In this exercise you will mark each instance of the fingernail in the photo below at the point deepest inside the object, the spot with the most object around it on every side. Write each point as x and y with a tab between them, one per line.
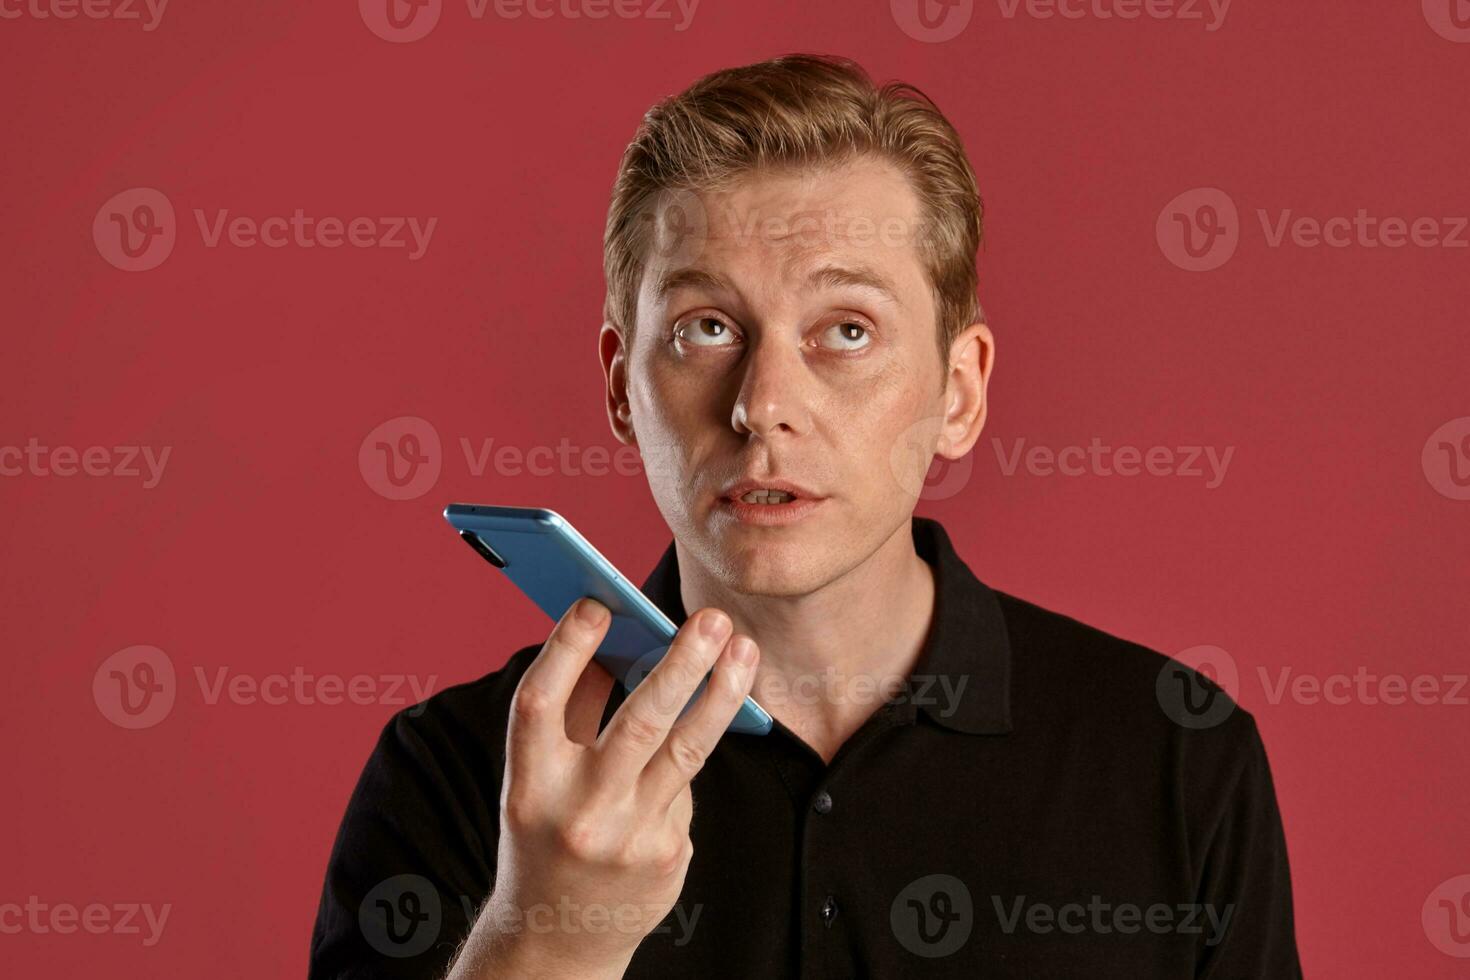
589	612
743	650
715	625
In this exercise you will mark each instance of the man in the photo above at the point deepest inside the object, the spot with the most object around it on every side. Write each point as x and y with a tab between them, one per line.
958	783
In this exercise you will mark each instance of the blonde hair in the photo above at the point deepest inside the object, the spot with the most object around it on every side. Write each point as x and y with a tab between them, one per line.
798	111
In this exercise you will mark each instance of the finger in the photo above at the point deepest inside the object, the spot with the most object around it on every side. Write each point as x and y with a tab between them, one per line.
587	703
681	811
643	720
538	710
695	736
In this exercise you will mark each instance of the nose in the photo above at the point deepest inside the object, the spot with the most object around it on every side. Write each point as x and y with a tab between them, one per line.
772	396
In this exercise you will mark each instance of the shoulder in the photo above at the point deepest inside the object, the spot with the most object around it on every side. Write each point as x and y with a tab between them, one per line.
1046	642
1071	677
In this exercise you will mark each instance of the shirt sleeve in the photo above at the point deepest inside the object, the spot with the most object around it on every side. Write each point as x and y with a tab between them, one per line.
410	865
1243	872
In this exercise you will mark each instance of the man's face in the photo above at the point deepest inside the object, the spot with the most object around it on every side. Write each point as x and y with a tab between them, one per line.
786	332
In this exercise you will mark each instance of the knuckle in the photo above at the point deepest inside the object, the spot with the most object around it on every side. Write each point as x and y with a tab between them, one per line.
519	811
670	859
639	730
530	704
578	838
685	753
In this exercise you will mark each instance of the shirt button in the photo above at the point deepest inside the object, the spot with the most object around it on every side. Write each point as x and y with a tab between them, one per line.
823	802
829	911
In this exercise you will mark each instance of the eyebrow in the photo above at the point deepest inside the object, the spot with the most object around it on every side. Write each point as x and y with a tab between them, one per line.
691	279
862	278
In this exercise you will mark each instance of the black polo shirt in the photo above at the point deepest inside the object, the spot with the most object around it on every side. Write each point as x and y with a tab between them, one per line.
1044	800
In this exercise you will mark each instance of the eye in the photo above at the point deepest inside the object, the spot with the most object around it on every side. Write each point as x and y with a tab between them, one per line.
705	330
850	335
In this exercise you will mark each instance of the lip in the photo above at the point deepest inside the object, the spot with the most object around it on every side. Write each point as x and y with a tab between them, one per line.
768	515
740	488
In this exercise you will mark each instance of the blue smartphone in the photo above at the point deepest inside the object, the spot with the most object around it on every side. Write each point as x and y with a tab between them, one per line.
554	566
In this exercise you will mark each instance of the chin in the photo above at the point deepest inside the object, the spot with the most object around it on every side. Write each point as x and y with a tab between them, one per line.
754	561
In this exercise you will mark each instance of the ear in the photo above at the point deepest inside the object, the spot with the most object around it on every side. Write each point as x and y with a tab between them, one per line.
613	353
971	360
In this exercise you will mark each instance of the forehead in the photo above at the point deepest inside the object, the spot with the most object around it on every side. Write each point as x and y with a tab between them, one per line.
781	224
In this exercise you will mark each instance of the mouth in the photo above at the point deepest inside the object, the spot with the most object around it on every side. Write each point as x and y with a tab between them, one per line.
768	502
767	497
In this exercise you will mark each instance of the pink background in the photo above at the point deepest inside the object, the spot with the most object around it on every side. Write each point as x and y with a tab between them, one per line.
1332	544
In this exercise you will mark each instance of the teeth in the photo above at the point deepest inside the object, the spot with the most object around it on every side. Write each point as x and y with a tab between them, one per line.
767	497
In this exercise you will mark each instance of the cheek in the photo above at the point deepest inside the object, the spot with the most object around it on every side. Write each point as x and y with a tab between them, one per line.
667	400
669	421
887	431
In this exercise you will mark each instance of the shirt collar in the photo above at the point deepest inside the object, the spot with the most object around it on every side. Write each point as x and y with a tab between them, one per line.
967	643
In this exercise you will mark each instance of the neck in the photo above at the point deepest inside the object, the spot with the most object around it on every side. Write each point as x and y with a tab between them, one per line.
827	657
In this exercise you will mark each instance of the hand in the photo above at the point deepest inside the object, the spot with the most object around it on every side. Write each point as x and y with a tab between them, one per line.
594	830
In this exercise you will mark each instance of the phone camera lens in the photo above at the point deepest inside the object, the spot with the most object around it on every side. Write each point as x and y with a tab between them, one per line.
482	549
